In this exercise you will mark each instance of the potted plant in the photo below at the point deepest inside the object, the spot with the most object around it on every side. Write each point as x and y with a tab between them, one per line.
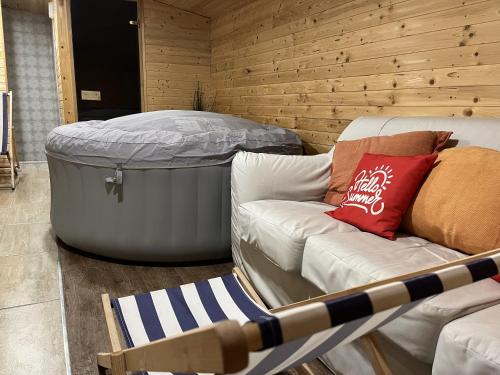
199	101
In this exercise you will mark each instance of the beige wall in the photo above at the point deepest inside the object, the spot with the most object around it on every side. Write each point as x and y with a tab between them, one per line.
176	55
315	65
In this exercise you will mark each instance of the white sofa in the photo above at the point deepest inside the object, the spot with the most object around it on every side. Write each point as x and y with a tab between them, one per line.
291	251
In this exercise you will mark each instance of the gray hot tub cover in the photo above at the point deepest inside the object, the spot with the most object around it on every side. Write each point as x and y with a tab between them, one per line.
167	139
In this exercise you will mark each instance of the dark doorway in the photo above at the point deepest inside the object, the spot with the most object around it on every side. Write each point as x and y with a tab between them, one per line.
106	55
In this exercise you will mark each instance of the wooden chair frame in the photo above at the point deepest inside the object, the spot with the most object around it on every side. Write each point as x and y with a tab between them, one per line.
223	347
11	150
217	339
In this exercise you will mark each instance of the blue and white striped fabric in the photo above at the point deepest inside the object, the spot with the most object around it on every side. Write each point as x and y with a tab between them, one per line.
4	127
293	336
164	313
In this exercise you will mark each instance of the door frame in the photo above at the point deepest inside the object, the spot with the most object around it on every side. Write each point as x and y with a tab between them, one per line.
60	14
142	53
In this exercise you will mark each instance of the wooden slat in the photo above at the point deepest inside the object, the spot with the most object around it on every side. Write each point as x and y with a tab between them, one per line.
110	323
352	112
170	101
248	287
433	96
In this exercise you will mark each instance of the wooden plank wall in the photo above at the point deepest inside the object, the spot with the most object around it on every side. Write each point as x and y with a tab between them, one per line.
313	65
176	55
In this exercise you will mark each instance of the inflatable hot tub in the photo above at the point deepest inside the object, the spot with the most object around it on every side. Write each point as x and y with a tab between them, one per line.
152	186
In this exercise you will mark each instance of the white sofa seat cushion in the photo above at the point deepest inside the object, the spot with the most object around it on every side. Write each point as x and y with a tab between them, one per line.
335	262
470	345
340	261
280	228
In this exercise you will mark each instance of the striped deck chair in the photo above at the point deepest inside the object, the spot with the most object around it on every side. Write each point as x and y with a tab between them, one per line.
7	138
217	326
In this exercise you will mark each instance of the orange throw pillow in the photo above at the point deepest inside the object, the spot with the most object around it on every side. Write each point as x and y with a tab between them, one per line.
458	205
348	154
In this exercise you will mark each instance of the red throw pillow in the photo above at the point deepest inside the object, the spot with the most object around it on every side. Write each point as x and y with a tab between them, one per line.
381	191
497	278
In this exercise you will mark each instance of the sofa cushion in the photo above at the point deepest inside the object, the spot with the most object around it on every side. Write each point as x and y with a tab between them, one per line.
280	228
339	261
470	345
349	153
345	260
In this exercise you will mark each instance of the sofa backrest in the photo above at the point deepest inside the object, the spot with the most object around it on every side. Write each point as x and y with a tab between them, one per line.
483	132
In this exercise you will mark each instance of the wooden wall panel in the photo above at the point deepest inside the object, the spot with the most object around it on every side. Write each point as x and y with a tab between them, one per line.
175	55
313	66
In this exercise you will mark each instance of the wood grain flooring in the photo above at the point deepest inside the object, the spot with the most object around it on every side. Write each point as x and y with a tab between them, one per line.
85	279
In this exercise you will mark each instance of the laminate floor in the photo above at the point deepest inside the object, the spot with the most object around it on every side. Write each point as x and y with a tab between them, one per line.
85	279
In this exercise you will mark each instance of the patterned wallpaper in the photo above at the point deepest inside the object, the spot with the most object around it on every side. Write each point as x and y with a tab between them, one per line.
31	75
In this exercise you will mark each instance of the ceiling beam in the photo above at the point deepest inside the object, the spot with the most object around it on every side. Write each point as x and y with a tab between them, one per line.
206	8
33	6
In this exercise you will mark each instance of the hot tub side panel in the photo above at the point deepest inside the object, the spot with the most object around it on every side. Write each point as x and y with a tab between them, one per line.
170	215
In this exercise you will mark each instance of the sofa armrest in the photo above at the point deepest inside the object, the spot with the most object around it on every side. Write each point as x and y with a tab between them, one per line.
284	177
268	176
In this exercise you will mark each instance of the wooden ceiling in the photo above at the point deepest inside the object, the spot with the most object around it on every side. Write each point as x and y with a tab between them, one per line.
33	6
207	8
